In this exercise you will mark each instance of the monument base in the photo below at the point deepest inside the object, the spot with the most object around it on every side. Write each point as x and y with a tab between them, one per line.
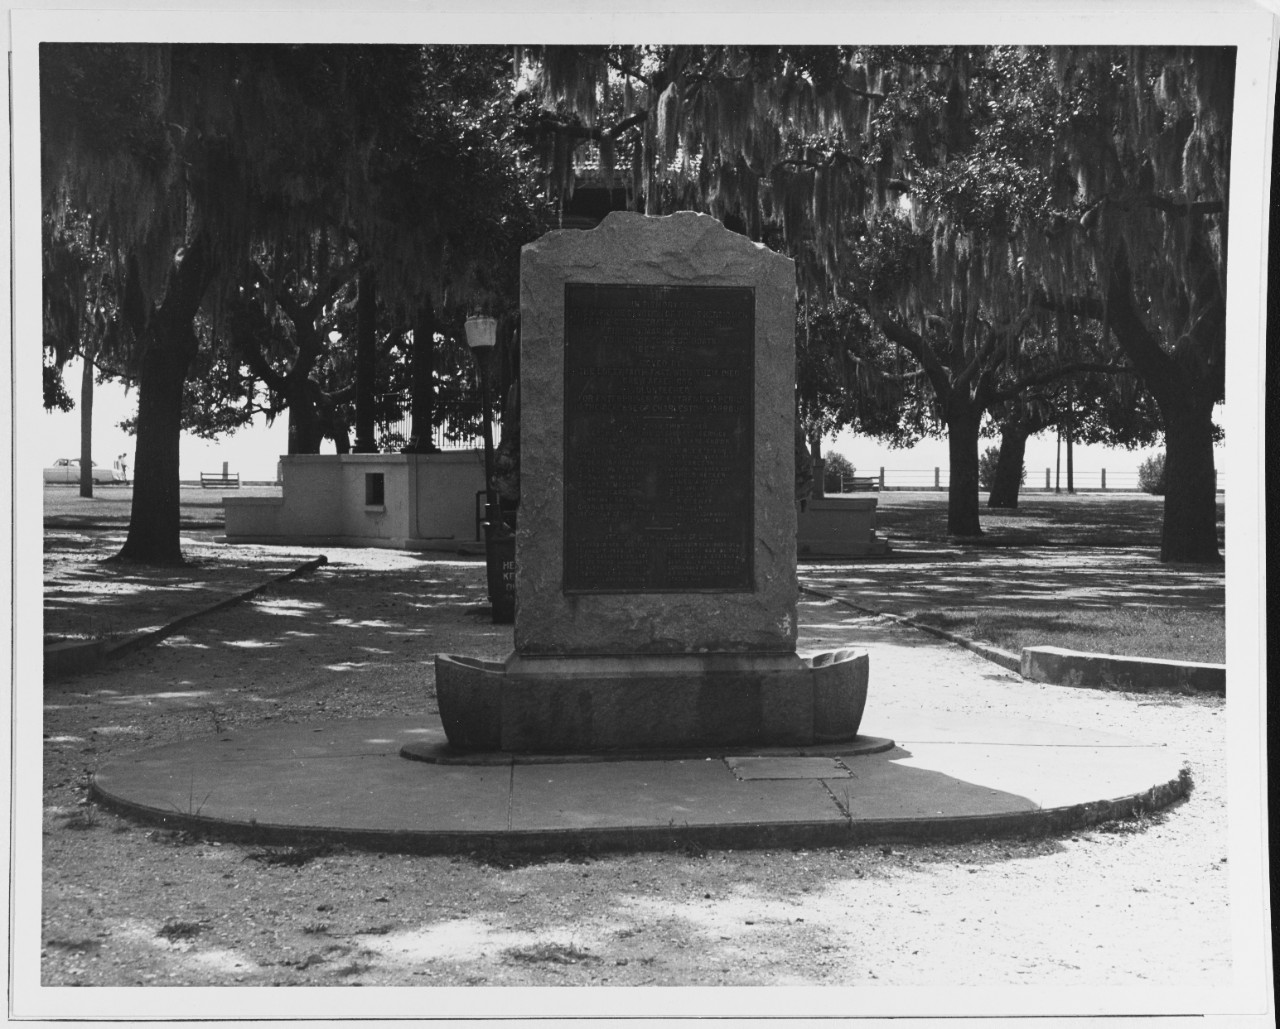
594	704
839	527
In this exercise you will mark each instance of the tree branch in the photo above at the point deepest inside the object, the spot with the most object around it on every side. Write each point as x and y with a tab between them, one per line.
292	309
1059	372
576	130
884	376
1090	307
913	343
627	70
1185	208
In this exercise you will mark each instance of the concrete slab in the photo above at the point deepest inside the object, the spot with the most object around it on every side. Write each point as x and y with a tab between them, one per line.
753	768
345	775
668	793
1078	668
945	726
345	782
1048	777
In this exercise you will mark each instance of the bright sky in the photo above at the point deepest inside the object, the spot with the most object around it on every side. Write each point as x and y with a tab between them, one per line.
253	451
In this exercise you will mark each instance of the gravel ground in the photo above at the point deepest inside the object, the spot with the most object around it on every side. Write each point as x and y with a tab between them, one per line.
1133	904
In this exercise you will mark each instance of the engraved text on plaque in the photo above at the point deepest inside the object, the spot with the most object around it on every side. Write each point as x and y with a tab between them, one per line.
659	448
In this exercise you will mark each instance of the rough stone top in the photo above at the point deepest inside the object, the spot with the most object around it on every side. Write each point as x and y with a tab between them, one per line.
675	246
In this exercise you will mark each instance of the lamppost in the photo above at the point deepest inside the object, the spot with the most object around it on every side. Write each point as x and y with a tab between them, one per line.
482	333
499	547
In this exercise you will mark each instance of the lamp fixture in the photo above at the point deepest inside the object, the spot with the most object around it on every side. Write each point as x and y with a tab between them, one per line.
482	332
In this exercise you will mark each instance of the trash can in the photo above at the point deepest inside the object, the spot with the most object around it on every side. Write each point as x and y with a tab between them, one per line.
500	562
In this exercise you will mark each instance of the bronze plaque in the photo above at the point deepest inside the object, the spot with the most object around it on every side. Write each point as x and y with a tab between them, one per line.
659	438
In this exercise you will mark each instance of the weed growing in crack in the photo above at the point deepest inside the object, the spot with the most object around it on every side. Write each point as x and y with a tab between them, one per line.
84	818
218	724
193	809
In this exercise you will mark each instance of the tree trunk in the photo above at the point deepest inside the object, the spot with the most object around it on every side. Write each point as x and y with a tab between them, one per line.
422	402
86	428
154	521
1008	475
964	416
819	469
366	365
1190	531
168	346
305	429
1069	428
1185	391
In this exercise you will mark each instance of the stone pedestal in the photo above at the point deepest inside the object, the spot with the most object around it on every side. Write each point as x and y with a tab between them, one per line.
636	703
655	557
839	527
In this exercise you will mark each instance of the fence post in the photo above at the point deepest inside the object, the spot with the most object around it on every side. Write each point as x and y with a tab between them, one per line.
937	477
1046	479
882	478
1104	480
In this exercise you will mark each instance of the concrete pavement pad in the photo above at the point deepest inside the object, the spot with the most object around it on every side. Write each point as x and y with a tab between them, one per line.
622	794
999	727
344	781
787	768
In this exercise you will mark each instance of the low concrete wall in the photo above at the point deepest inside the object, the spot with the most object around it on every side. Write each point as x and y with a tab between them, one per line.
838	527
446	490
1069	667
425	500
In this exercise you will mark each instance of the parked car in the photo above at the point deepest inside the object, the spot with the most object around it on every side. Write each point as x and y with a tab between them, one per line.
67	469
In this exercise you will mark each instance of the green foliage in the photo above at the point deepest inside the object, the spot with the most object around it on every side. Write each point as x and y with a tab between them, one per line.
836	467
987	467
56	397
287	154
849	375
1151	475
987	464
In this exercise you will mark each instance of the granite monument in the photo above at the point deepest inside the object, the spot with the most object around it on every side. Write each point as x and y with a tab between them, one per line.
656	550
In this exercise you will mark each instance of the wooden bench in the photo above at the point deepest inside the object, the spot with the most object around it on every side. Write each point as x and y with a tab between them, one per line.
861	483
216	480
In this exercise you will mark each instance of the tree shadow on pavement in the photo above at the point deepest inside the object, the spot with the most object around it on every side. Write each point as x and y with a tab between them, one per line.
336	643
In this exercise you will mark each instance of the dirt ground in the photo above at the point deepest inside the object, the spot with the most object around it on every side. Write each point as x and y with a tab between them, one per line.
1130	904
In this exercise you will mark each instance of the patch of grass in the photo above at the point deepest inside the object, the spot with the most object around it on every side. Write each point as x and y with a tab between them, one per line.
289	857
1133	826
85	946
175	837
553	953
1179	634
174	931
355	968
510	860
81	819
